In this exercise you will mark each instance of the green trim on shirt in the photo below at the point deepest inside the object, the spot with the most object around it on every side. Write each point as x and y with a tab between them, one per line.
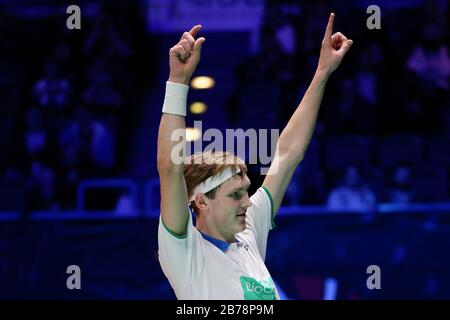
173	233
271	206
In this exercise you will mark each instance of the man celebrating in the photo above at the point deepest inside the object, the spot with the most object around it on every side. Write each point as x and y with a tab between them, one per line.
222	256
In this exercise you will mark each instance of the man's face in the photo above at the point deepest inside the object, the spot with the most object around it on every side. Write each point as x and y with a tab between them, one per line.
226	214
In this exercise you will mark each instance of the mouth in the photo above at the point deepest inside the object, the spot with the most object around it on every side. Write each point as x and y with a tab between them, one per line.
241	214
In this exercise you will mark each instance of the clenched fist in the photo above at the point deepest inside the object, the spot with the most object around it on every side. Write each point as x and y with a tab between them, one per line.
185	55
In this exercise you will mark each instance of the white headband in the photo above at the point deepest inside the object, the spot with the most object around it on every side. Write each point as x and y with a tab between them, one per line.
214	181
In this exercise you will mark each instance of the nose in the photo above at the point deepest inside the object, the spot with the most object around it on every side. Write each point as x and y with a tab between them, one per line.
247	203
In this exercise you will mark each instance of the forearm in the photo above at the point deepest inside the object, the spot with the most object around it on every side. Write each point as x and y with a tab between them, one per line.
296	136
166	144
172	129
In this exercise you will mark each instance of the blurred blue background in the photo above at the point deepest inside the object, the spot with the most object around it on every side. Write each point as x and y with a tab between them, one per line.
80	111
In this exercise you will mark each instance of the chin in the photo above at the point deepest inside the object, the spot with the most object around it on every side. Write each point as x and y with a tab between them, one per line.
242	227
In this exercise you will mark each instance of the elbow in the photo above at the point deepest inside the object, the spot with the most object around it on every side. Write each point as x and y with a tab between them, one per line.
283	149
289	153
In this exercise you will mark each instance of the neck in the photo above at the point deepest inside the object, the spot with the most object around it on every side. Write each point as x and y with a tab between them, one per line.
203	227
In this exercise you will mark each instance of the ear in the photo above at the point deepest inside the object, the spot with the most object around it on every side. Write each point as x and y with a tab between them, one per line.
200	201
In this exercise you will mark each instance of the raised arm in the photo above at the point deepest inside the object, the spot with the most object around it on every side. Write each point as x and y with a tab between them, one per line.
295	138
183	60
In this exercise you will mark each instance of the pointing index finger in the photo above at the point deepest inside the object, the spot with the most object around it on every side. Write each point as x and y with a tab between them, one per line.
195	29
330	25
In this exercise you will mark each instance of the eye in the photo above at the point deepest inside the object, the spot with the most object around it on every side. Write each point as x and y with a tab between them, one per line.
237	195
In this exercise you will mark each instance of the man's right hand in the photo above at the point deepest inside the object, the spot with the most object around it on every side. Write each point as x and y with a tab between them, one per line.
184	56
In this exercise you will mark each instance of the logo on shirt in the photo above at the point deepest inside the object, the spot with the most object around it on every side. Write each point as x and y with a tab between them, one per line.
244	245
254	290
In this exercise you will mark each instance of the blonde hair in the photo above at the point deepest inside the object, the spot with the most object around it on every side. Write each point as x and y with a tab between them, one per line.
200	166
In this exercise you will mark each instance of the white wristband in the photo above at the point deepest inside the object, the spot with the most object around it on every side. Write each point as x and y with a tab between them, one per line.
175	99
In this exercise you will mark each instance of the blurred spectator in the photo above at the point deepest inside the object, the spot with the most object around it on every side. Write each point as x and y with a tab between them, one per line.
400	189
53	89
428	70
103	146
431	66
76	139
35	135
40	191
104	40
352	194
125	205
68	177
366	75
286	38
100	92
